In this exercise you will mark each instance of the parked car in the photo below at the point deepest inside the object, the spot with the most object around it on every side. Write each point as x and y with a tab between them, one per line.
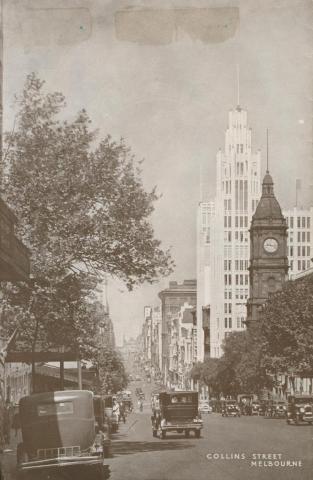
255	408
300	409
204	407
59	437
230	408
276	409
178	412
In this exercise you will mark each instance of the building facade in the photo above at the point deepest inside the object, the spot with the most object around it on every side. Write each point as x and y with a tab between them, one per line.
268	268
237	195
205	218
300	238
172	299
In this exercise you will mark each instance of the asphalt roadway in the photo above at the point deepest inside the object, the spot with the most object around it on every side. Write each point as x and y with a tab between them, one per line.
245	448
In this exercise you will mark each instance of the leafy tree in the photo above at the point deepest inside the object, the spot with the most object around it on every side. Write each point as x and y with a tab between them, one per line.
112	374
82	210
286	329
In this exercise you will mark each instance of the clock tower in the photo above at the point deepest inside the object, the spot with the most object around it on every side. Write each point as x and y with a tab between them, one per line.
268	251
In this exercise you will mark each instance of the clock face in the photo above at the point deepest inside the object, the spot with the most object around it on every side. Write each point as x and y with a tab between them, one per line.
270	245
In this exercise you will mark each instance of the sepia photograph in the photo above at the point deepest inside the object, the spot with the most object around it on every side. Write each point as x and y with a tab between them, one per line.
156	239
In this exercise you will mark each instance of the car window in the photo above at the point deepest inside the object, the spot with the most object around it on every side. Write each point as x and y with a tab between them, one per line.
61	408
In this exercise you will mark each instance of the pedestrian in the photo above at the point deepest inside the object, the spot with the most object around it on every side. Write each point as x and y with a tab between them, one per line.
122	412
116	409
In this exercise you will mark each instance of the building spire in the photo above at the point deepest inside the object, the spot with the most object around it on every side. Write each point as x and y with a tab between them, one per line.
238	85
267	171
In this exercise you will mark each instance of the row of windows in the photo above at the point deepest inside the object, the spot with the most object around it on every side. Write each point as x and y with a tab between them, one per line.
228	322
301	251
239	279
301	237
239	265
302	265
302	222
240	221
227	307
241	236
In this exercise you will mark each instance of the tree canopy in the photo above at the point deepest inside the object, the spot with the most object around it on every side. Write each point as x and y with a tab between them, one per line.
82	210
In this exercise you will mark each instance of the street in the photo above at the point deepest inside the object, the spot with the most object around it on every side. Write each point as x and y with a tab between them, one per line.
137	455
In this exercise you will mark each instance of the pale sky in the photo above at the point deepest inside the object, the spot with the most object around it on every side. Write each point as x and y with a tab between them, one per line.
169	96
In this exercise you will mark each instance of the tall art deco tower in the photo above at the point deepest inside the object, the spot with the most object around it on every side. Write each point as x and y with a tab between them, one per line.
237	195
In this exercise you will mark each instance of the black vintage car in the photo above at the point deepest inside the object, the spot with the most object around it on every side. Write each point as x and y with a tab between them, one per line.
276	409
300	409
59	437
230	408
177	412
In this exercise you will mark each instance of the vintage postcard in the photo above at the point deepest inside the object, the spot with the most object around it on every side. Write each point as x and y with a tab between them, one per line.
156	240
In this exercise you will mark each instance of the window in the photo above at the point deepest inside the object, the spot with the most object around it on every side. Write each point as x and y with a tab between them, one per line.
291	237
299	222
229	236
291	264
225	264
303	222
246	279
303	251
303	264
246	221
241	279
308	222
229	264
225	308
229	279
299	237
241	221
299	265
291	222
236	264
291	251
225	222
225	279
299	251
308	236
225	322
229	308
229	222
229	323
303	236
238	322
58	408
308	251
237	279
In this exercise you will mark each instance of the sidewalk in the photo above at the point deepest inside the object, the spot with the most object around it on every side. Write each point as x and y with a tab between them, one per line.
8	458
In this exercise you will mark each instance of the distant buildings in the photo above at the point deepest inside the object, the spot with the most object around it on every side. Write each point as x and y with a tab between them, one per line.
172	299
300	238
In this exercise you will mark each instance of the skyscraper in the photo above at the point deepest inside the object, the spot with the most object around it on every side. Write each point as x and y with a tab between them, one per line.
237	193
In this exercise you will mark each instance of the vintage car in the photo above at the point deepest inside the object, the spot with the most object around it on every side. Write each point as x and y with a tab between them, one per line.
300	409
102	425
178	412
276	409
230	408
255	408
59	437
204	407
138	391
245	401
